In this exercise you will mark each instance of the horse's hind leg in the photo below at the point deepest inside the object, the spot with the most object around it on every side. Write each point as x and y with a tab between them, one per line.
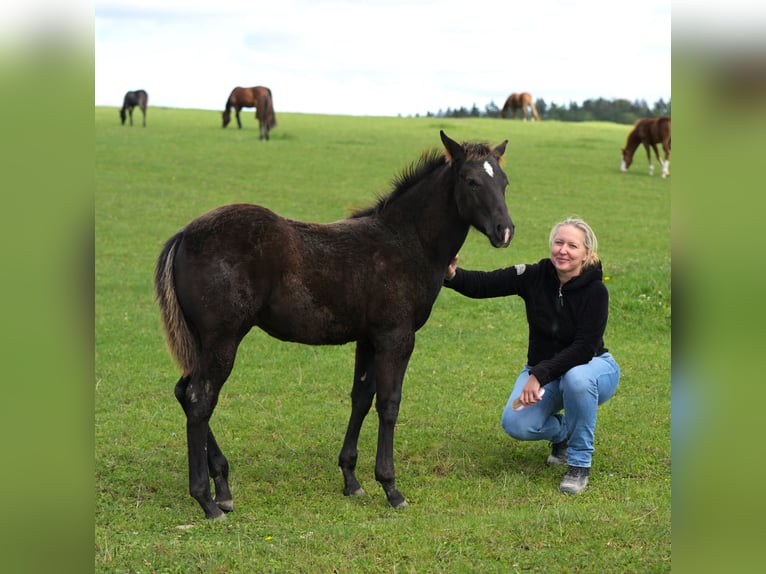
198	395
666	162
218	467
362	394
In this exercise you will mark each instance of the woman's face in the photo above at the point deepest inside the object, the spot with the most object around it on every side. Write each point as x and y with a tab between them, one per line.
568	251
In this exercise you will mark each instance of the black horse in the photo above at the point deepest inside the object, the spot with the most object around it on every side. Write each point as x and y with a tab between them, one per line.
132	99
372	278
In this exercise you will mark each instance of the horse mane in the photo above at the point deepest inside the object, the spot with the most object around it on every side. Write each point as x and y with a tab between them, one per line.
423	166
428	162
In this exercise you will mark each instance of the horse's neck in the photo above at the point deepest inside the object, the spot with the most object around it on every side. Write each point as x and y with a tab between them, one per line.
634	140
430	207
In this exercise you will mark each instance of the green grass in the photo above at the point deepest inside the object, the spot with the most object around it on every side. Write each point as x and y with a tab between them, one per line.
479	501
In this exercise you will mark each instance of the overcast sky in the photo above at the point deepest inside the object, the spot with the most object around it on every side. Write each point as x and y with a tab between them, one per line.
381	57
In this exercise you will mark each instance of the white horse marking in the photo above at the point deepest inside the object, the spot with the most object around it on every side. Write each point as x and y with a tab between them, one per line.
488	169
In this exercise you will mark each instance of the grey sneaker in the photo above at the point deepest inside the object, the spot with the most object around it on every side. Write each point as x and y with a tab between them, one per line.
575	480
558	453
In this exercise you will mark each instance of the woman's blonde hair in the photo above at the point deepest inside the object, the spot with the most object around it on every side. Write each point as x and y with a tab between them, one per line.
591	243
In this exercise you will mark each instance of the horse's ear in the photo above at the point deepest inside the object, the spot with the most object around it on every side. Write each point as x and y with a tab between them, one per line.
499	150
454	151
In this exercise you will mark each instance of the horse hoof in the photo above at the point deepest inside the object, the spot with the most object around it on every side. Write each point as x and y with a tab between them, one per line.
225	505
402	504
357	492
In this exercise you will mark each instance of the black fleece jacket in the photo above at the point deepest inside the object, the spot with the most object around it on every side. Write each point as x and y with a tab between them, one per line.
566	324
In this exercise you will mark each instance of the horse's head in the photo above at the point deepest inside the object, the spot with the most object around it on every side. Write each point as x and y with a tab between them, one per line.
480	188
627	159
226	117
123	115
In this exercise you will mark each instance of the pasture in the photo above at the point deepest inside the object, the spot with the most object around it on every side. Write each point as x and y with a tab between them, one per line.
479	501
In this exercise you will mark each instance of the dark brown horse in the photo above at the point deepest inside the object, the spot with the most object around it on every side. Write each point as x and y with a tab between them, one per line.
258	97
371	278
520	102
649	132
132	99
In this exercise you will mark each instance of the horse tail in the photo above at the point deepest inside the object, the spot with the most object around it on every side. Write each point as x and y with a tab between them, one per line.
533	107
181	342
272	115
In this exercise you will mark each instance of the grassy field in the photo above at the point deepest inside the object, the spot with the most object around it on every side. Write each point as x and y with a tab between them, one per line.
479	501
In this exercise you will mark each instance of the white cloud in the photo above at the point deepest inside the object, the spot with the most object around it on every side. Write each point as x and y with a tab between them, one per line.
382	58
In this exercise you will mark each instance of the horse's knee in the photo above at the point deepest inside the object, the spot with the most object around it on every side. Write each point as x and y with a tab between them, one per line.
389	412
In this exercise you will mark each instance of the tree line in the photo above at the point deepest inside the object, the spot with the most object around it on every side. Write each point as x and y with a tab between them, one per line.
619	111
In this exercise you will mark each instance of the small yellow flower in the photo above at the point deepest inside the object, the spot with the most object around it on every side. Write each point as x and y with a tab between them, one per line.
268	539
607	278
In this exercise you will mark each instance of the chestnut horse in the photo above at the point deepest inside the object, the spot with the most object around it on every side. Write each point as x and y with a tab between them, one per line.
649	132
523	102
258	97
372	278
132	99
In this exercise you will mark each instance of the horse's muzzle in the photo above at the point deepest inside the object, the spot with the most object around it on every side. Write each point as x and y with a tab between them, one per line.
507	236
502	237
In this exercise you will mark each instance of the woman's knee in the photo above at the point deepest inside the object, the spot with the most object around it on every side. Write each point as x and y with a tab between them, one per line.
514	424
578	381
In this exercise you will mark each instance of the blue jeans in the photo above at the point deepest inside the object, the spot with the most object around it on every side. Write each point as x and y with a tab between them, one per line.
578	392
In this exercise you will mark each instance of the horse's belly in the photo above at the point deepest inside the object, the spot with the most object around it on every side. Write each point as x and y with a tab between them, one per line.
314	325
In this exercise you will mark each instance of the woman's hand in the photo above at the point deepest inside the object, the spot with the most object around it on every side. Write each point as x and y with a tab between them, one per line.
531	393
452	268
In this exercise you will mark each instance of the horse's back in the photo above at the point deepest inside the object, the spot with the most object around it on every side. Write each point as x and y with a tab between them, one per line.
242	265
242	97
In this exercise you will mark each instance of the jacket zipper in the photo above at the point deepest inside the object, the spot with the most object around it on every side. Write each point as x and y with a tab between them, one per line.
561	297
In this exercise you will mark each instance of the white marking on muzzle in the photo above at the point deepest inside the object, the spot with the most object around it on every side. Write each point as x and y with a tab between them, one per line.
488	169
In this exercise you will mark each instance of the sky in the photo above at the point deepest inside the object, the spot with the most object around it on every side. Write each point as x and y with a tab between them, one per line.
381	57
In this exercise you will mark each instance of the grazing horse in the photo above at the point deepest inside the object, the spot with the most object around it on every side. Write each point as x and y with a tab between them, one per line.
523	102
649	132
371	278
132	99
258	97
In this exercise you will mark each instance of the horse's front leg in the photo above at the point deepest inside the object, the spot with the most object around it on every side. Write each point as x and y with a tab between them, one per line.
390	366
647	147
362	394
239	121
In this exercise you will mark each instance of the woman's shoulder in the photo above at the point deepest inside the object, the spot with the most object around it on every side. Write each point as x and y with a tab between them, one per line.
530	269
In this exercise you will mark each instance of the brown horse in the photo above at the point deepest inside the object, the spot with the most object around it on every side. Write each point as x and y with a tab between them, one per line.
258	97
132	99
649	132
523	102
372	278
